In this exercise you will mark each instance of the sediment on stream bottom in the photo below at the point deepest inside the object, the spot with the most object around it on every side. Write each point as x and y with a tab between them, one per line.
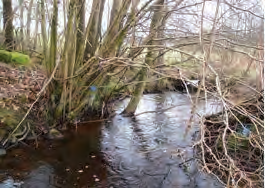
234	151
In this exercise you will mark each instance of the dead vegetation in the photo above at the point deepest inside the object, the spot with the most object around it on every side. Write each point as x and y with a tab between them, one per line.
231	143
18	90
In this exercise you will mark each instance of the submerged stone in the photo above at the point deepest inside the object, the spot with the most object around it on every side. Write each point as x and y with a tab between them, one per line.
2	152
54	134
42	177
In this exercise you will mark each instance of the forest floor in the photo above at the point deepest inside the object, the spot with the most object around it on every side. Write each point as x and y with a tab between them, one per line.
18	90
15	81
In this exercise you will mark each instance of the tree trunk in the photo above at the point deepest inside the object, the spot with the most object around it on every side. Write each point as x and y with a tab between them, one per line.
81	24
67	59
36	25
52	52
115	34
160	42
43	32
94	28
107	49
8	23
28	24
114	12
114	37
53	42
139	88
21	24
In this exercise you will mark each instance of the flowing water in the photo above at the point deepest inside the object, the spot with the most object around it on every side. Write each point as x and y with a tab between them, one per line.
151	150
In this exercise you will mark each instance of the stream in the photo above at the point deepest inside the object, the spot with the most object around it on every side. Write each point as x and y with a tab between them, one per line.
151	150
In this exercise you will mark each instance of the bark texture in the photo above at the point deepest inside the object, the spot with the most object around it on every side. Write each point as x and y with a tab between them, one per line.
139	88
8	23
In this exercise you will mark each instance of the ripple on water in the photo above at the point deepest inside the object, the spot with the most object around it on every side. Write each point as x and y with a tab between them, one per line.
150	150
156	143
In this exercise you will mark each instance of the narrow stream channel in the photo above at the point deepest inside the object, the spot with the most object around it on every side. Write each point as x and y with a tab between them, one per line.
151	150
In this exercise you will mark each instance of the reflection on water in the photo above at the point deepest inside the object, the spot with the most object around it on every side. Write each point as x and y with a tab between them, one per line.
72	162
148	151
151	149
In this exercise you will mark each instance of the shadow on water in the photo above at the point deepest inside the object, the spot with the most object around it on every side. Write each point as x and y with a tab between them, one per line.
150	150
72	162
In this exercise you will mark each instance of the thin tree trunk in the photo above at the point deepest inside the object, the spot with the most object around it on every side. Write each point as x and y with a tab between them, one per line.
114	38
118	33
53	42
8	23
139	88
91	33
43	31
36	25
107	49
114	12
21	24
28	23
94	28
81	24
51	60
66	60
160	34
115	34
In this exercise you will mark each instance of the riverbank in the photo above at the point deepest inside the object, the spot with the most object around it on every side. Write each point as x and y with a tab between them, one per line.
232	144
20	88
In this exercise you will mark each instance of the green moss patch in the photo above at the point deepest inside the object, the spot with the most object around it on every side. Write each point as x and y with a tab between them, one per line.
5	56
14	58
20	59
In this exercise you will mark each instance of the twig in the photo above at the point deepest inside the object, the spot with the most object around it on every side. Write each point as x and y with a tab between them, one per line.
158	111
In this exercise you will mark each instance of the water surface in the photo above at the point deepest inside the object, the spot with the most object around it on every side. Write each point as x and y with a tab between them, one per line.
151	150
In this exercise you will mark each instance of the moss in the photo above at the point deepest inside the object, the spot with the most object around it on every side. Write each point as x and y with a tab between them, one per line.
3	133
20	59
5	56
237	142
14	58
23	99
9	117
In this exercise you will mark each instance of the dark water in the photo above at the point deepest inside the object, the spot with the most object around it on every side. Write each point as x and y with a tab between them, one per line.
151	150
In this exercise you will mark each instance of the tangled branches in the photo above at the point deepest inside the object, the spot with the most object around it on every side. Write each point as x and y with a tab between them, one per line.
234	150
